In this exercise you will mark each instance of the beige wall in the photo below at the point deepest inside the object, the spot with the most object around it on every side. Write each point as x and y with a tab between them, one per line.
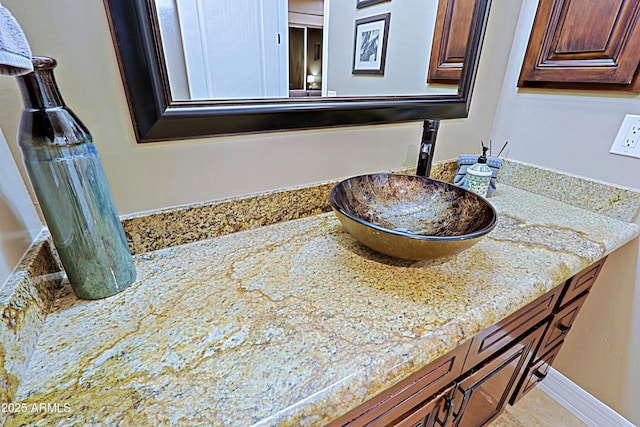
573	131
19	221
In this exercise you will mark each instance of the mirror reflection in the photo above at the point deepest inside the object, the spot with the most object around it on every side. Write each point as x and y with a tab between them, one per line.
379	85
256	49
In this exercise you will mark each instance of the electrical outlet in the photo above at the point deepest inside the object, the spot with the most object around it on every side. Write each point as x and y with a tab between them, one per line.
628	137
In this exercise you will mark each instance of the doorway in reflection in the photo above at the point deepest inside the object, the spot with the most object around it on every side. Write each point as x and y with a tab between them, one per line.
305	61
306	45
242	48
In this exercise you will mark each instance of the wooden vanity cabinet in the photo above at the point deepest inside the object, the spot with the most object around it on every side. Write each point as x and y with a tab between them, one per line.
421	392
434	412
471	385
485	391
574	294
580	283
536	372
494	339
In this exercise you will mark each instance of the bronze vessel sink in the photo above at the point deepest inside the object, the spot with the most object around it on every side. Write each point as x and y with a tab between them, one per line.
411	217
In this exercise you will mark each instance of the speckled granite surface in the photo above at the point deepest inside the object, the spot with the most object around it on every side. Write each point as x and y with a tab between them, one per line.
25	300
186	224
292	323
601	197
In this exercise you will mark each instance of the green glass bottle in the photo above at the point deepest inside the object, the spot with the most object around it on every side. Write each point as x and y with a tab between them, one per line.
71	187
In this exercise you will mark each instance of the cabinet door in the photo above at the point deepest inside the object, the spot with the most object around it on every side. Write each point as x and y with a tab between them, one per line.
583	41
561	324
449	45
534	374
484	394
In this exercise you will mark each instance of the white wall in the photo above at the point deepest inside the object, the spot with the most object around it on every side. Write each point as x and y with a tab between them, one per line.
573	131
19	221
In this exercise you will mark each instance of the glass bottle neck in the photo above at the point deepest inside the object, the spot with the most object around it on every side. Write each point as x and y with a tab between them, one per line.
39	89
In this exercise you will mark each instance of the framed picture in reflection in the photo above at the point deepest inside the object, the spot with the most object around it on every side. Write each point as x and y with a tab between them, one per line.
364	3
370	44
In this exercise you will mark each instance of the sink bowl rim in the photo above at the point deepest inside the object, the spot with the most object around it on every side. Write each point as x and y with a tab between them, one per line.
479	233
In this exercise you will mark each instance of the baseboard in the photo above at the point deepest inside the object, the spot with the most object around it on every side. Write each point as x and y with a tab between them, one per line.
580	403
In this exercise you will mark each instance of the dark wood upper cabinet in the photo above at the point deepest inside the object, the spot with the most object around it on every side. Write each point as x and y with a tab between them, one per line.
450	40
587	44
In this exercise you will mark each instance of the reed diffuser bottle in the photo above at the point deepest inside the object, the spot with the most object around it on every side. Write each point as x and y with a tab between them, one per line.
69	182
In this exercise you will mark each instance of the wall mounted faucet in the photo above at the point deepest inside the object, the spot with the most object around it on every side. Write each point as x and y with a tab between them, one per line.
427	147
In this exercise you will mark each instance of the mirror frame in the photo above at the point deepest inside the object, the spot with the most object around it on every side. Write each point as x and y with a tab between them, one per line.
156	117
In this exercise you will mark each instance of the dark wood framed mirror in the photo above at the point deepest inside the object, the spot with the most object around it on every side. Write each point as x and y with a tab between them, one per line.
157	116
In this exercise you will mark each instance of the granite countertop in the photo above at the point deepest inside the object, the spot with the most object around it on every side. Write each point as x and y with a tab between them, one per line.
294	322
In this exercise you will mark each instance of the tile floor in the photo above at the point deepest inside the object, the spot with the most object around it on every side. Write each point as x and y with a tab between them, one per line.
537	409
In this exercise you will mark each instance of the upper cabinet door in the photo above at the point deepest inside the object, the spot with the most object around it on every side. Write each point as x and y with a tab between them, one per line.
594	42
450	40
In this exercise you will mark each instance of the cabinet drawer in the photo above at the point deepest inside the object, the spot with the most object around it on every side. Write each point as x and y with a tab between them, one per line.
400	399
429	414
561	323
503	333
581	282
537	372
